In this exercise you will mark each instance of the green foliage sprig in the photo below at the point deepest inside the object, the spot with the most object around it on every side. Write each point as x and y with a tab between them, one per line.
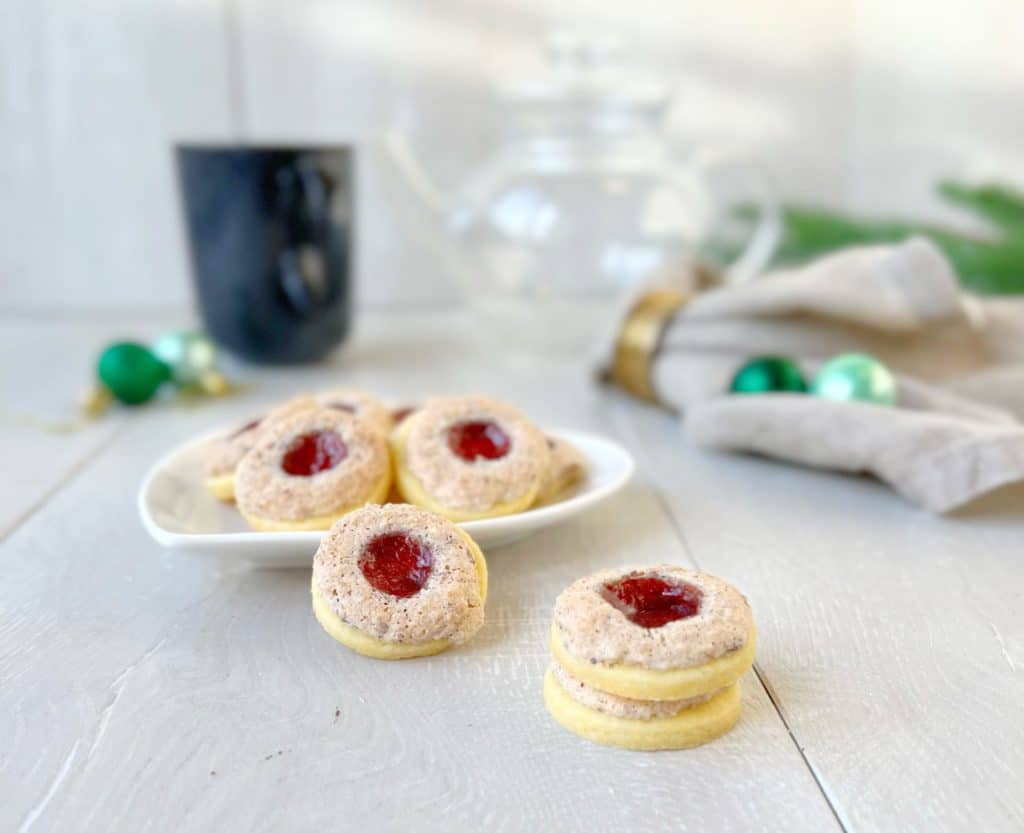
990	264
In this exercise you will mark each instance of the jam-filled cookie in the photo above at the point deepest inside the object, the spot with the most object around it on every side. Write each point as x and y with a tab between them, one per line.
393	582
469	457
566	469
308	470
221	455
649	657
363	405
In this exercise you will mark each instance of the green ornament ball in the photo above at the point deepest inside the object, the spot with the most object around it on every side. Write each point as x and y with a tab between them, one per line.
855	376
768	374
131	372
189	355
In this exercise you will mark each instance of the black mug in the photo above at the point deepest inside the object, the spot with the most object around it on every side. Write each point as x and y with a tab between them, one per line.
270	234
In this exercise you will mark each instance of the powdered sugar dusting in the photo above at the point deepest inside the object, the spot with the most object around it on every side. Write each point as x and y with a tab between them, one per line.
221	455
264	490
449	605
364	405
473	486
566	468
593	630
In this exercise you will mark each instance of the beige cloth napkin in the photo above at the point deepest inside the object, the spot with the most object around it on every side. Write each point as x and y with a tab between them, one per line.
956	430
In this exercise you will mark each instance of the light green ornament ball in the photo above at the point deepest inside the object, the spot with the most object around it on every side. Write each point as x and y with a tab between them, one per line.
189	355
855	376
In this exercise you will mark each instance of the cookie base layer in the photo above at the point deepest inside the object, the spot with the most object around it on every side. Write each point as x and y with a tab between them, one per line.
690	727
222	487
412	491
363	643
561	490
370	646
478	558
654	684
377	495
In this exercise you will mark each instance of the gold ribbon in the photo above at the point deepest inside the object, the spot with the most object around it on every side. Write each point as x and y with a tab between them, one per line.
639	339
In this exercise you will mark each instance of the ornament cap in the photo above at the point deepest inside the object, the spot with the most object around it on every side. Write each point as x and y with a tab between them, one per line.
96	401
214	383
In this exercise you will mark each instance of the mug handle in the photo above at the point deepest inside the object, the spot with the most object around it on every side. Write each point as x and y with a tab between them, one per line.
302	203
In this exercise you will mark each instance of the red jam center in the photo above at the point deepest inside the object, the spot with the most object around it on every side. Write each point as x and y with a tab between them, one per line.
396	564
314	452
652	602
472	440
247	427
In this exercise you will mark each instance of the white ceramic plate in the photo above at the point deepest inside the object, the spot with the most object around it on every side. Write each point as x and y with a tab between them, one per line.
179	513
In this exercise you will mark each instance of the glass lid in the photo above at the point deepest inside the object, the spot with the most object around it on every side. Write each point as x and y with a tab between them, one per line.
587	81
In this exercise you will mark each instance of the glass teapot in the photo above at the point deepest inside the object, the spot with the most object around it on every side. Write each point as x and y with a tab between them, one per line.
585	200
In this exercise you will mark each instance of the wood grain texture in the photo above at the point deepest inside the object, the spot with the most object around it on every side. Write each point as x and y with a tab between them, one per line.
892	640
44	370
142	691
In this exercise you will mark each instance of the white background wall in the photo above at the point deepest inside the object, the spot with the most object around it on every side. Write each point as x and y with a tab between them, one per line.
854	102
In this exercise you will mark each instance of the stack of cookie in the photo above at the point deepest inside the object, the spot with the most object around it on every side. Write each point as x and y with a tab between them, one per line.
649	657
315	458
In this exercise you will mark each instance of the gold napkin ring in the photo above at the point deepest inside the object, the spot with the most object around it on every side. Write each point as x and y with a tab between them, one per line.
640	337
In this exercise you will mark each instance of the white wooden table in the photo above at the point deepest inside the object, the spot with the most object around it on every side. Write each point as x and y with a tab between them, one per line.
143	691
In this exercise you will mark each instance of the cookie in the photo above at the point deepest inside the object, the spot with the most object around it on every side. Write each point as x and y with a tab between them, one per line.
399	414
566	469
469	457
393	582
309	469
363	405
649	657
221	455
688	726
